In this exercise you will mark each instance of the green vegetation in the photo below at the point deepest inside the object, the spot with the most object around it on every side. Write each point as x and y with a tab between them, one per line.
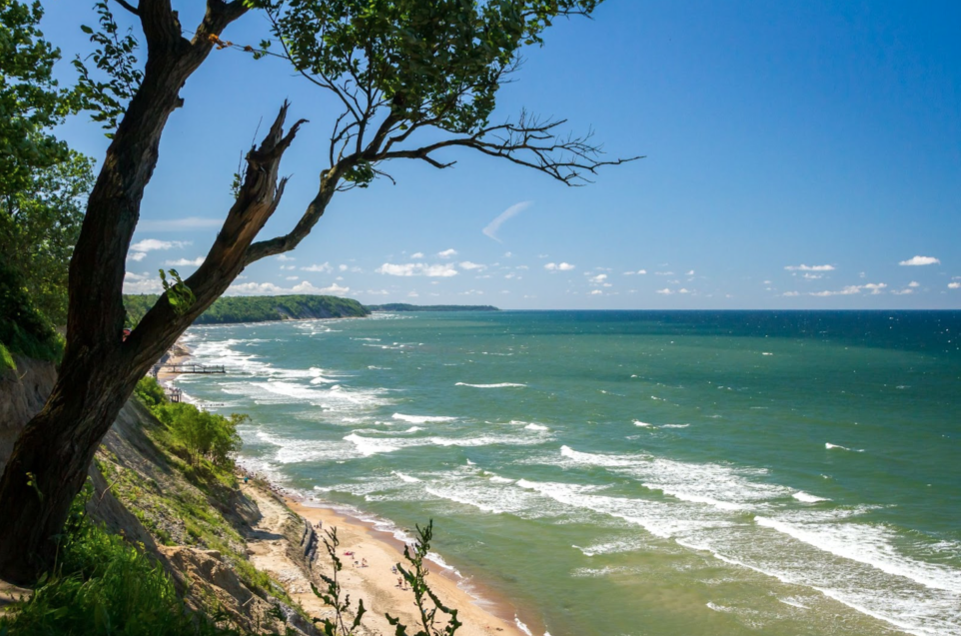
407	307
415	576
23	328
42	182
229	309
103	585
203	435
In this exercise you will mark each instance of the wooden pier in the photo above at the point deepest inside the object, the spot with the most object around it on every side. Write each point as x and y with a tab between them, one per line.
192	368
174	394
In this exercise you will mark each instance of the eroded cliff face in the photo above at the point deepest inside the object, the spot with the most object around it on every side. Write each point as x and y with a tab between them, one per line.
198	530
23	392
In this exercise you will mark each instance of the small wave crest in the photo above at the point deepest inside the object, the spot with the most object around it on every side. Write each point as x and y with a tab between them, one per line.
499	385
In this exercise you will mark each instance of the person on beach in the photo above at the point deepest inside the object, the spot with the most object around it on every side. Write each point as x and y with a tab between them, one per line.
363	563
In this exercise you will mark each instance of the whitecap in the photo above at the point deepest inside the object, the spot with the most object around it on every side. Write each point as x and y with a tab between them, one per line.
522	626
801	495
829	446
500	385
640	423
422	419
405	478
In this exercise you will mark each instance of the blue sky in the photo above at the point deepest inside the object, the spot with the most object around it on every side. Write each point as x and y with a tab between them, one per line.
798	155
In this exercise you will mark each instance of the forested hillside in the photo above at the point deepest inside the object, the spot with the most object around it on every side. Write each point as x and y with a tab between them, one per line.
258	308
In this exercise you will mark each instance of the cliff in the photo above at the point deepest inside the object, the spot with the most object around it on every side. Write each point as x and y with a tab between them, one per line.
200	526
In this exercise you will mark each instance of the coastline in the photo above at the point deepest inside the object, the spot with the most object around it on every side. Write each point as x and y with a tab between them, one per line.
375	584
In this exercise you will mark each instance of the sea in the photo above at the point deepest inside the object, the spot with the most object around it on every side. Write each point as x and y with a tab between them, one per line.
629	472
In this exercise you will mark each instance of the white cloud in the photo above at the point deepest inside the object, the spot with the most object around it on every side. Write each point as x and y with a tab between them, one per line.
413	294
493	226
664	273
448	253
323	267
902	292
921	260
684	291
175	225
810	268
599	279
417	255
791	294
151	245
304	287
811	276
690	272
595	292
137	256
640	272
292	278
141	283
559	267
850	290
285	257
953	285
186	262
470	266
665	292
288	267
914	284
443	270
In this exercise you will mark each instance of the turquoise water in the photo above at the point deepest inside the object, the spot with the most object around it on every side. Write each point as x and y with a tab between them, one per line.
632	472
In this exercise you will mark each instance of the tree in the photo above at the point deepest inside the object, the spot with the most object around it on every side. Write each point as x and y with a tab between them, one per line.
42	181
399	68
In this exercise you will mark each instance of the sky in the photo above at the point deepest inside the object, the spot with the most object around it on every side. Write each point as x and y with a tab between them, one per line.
796	156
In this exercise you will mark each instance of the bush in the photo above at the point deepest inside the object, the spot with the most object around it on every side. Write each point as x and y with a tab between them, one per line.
150	392
23	328
102	585
203	434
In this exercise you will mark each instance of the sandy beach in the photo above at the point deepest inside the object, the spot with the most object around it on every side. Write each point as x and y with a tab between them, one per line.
374	582
368	557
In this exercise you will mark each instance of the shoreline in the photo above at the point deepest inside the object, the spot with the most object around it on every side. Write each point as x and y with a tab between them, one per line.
483	613
369	554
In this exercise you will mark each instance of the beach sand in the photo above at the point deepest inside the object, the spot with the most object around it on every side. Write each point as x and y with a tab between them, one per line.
376	584
178	354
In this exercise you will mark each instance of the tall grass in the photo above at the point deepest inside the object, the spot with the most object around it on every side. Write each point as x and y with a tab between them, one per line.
103	585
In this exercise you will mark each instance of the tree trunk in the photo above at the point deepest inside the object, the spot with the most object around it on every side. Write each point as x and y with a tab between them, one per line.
99	371
48	465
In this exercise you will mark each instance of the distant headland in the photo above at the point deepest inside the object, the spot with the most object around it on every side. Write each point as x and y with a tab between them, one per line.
233	309
407	307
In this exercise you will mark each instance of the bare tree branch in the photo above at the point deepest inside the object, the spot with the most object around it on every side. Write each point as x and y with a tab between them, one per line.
531	143
129	7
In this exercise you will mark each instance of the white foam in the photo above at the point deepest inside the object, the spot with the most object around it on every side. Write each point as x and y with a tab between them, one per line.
871	545
793	603
406	478
801	495
536	427
522	626
674	426
368	446
422	419
640	423
500	385
829	446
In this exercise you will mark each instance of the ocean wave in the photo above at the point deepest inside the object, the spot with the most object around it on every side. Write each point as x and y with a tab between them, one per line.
829	446
422	419
500	385
803	496
642	424
405	478
871	545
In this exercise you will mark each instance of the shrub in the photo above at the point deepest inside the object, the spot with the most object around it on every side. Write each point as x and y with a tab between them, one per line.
102	585
203	434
